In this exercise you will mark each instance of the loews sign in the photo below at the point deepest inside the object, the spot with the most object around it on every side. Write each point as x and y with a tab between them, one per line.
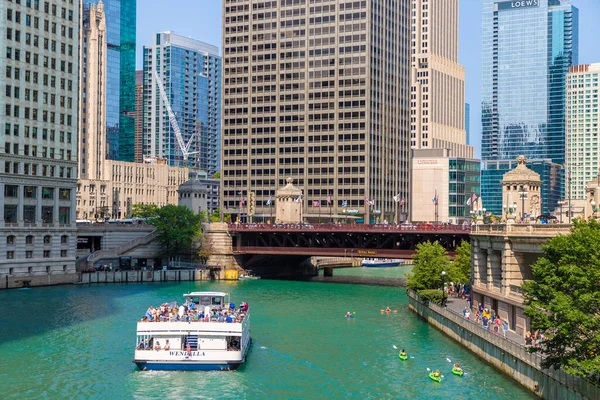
511	5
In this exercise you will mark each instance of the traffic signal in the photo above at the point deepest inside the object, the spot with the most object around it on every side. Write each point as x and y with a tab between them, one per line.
251	203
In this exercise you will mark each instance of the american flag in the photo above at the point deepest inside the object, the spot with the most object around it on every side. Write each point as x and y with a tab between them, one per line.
316	203
369	202
328	199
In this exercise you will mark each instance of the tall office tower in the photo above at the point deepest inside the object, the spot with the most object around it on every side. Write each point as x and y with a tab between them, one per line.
468	122
139	113
437	93
189	72
527	50
582	129
38	172
120	76
318	92
92	147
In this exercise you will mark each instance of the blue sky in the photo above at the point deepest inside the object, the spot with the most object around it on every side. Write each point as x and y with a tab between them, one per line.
201	19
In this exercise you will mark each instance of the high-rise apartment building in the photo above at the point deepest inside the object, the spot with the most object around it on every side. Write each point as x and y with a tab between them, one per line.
120	23
190	75
527	50
139	117
316	91
437	93
582	130
38	171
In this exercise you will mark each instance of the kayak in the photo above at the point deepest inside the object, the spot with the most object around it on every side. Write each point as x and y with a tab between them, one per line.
458	371
403	357
435	378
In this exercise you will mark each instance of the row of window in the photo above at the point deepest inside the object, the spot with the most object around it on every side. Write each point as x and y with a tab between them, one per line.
10	254
30	192
29	214
30	239
32	169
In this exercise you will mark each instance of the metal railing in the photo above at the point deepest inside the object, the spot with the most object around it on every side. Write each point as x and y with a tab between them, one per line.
522	229
416	228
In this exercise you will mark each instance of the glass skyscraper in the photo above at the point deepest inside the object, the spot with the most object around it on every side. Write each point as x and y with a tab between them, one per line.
120	77
528	46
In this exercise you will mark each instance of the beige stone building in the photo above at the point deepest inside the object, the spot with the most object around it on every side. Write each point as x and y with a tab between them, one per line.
521	193
288	204
317	91
107	188
437	92
441	184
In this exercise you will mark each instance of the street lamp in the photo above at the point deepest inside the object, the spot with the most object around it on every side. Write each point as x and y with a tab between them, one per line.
594	208
523	197
443	286
561	203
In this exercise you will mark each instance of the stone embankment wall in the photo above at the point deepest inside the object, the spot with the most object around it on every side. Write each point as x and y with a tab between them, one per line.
509	357
146	276
44	279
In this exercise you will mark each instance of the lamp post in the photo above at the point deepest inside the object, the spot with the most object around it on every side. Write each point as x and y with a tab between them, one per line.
594	209
523	197
443	287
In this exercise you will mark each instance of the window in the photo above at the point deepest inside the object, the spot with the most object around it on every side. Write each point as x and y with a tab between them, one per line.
46	253
29	239
29	214
64	215
47	193
64	194
11	191
47	216
63	253
30	192
10	255
28	254
10	214
10	239
47	239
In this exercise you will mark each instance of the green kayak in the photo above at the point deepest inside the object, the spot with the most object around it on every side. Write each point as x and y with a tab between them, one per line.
403	357
435	378
457	371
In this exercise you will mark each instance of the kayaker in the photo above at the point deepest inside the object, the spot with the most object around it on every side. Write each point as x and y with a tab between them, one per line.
402	353
436	373
348	315
388	310
457	367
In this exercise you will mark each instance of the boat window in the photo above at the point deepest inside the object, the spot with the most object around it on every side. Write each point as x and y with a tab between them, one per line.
217	301
205	301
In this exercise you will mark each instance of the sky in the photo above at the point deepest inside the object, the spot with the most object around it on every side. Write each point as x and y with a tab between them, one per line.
201	20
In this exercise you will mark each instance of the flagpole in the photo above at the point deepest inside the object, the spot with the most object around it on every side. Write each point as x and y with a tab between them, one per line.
319	212
330	215
436	207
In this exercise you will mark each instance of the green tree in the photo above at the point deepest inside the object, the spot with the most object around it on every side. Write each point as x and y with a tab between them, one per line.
177	227
460	268
144	210
216	215
429	262
563	300
217	175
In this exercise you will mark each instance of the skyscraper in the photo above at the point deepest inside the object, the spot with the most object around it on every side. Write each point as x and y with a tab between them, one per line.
139	116
468	122
120	76
528	47
318	92
582	129
190	75
437	93
38	171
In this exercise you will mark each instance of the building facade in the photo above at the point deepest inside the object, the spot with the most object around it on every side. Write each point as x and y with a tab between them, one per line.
125	184
441	184
527	50
437	93
38	148
190	72
317	92
139	117
120	20
582	130
468	122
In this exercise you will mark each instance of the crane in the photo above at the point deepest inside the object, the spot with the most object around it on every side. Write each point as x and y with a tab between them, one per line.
185	147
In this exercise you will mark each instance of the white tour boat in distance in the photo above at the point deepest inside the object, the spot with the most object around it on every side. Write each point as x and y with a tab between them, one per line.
210	335
382	262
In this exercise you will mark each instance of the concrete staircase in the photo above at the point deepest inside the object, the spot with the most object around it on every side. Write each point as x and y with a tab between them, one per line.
122	249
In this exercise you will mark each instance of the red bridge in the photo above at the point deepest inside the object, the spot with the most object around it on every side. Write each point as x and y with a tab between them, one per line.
343	240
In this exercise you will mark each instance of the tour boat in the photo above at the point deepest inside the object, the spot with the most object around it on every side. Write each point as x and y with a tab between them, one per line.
382	262
248	275
195	343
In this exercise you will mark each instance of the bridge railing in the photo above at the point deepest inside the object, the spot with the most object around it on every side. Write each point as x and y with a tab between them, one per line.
328	227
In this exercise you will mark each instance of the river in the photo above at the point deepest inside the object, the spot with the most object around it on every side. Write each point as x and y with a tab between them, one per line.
77	342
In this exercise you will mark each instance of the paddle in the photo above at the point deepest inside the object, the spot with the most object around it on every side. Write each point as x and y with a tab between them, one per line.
449	360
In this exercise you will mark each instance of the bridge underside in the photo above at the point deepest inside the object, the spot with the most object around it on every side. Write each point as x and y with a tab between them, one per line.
340	244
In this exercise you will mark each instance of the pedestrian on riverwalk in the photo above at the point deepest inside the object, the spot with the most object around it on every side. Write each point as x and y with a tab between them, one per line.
504	327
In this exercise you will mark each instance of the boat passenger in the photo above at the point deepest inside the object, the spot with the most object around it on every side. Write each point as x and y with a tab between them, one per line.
167	345
157	346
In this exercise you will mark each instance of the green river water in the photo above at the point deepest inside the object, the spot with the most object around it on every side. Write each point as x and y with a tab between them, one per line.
76	342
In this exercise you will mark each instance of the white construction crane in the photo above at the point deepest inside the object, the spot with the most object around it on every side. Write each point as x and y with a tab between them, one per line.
185	147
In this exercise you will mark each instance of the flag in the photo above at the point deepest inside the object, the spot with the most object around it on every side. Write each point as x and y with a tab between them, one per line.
299	199
397	198
269	201
345	203
435	199
472	199
328	199
316	203
369	202
402	202
241	203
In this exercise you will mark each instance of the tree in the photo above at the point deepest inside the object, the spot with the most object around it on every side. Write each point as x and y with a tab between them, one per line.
460	268
177	227
563	300
216	215
217	175
429	262
144	210
206	250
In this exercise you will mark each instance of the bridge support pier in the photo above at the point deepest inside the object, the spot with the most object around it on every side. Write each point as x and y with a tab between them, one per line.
328	271
221	249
